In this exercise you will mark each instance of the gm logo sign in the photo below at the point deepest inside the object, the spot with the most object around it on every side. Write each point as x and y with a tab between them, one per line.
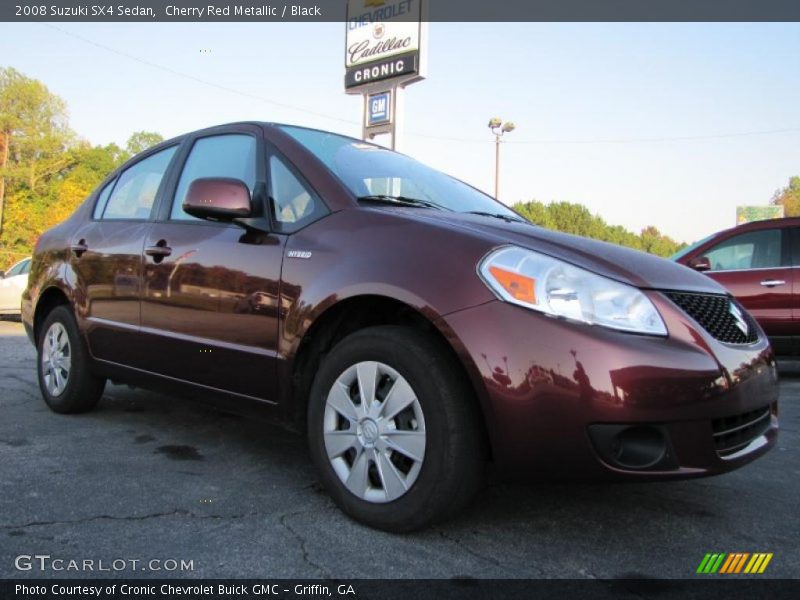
379	109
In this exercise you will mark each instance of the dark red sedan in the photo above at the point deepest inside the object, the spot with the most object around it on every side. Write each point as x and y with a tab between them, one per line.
418	329
756	263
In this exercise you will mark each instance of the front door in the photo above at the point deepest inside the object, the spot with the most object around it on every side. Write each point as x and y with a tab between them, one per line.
210	307
755	267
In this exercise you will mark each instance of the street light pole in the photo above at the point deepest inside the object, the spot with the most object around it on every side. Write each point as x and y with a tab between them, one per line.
496	166
498	129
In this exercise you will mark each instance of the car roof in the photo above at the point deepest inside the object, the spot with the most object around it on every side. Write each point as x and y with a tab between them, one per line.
262	124
781	223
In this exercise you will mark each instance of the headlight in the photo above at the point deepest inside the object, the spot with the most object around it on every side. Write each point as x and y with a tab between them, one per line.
557	288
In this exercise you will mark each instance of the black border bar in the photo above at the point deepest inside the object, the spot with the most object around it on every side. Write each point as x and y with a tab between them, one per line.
151	11
714	587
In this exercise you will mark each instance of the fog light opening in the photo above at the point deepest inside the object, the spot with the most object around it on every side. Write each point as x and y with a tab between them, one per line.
638	447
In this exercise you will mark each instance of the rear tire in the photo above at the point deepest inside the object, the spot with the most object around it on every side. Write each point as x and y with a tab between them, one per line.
396	471
66	383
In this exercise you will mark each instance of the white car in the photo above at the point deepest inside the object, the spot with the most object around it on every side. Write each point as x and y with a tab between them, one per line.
11	286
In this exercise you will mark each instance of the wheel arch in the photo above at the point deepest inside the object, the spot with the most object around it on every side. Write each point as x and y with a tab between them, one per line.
49	299
355	313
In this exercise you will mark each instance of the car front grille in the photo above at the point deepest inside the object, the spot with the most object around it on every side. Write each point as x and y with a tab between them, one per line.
716	315
731	434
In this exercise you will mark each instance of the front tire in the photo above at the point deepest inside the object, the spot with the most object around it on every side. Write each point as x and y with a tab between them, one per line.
394	430
66	383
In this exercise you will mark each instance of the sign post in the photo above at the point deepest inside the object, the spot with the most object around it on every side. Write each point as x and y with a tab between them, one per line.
385	50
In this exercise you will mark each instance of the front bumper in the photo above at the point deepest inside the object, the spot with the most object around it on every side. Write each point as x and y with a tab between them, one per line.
547	385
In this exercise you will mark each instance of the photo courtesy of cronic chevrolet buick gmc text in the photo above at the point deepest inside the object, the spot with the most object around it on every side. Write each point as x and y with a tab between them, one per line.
416	328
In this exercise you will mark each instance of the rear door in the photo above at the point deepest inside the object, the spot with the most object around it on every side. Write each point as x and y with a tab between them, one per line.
756	267
794	236
106	259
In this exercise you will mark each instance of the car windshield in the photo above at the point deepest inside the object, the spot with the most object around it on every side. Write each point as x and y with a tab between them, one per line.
373	172
684	251
18	269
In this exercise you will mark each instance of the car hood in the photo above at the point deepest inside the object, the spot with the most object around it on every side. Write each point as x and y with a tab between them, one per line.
622	264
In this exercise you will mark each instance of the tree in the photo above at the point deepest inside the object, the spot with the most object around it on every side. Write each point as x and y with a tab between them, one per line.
142	140
576	219
45	170
90	165
789	198
33	134
536	212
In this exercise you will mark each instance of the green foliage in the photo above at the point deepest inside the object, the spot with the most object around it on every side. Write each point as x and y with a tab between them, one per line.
789	198
142	140
46	171
576	218
34	152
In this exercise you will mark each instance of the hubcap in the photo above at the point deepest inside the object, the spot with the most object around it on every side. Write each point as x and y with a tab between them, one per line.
374	432
56	359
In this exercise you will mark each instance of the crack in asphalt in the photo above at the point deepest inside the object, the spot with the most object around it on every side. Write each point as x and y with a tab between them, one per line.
6	403
15	377
26	382
177	512
472	552
303	544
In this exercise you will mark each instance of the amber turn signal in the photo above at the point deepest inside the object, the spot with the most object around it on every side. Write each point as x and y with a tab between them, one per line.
520	287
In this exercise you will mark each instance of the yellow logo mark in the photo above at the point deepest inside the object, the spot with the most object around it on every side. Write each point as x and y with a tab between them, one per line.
368	3
735	563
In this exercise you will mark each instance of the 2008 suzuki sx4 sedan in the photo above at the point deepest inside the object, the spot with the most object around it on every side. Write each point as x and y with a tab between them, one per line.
418	329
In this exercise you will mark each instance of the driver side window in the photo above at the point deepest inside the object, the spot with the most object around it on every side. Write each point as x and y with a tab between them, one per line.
229	155
751	250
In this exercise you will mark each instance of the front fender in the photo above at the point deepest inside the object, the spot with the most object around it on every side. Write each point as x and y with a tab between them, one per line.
377	253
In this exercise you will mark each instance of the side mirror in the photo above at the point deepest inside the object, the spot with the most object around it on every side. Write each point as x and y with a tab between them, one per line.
700	263
218	199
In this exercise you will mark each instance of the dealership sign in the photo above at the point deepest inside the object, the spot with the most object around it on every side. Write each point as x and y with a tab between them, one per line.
748	214
379	109
391	68
384	41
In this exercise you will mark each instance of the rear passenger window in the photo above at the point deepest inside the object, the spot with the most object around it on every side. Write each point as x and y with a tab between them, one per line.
102	200
135	191
751	250
232	156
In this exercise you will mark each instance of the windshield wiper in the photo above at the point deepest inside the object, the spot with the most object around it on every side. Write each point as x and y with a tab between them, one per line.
405	200
504	217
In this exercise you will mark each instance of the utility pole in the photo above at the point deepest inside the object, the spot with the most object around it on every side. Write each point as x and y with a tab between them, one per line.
6	137
498	129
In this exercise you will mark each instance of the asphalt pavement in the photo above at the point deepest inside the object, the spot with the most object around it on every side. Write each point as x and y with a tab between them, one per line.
147	477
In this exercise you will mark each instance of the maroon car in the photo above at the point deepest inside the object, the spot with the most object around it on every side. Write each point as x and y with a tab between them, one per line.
756	263
418	329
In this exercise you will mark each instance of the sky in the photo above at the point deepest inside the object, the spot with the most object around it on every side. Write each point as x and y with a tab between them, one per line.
671	125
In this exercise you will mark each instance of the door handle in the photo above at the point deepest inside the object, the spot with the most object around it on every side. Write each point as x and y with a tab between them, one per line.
79	248
772	282
158	251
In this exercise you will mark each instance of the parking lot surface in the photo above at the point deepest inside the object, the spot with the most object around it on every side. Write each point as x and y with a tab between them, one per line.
149	477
